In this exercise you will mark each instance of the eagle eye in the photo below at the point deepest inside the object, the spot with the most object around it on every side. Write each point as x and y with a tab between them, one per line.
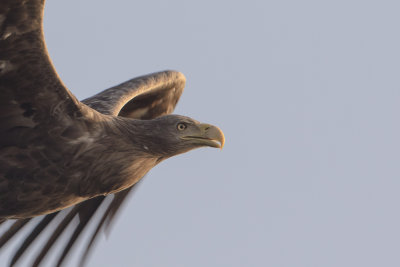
181	126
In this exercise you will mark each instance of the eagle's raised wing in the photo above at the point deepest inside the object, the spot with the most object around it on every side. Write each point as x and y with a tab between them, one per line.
145	97
31	93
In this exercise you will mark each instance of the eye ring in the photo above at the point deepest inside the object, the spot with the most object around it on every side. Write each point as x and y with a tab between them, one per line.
181	126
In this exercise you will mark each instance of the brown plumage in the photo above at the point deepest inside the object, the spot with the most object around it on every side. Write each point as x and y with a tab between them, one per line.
57	152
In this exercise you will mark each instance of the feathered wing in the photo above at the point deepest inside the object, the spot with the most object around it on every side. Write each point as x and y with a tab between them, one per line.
31	93
36	109
145	97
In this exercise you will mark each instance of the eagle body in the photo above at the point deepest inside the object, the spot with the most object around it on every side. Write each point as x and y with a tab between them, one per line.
66	166
58	152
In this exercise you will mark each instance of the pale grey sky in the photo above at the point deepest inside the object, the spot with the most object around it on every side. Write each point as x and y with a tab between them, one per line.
308	95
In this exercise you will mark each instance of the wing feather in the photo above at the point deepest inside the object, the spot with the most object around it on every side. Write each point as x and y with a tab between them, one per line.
12	230
32	236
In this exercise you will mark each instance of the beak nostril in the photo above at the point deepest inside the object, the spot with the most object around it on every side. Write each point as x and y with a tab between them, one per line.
208	127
